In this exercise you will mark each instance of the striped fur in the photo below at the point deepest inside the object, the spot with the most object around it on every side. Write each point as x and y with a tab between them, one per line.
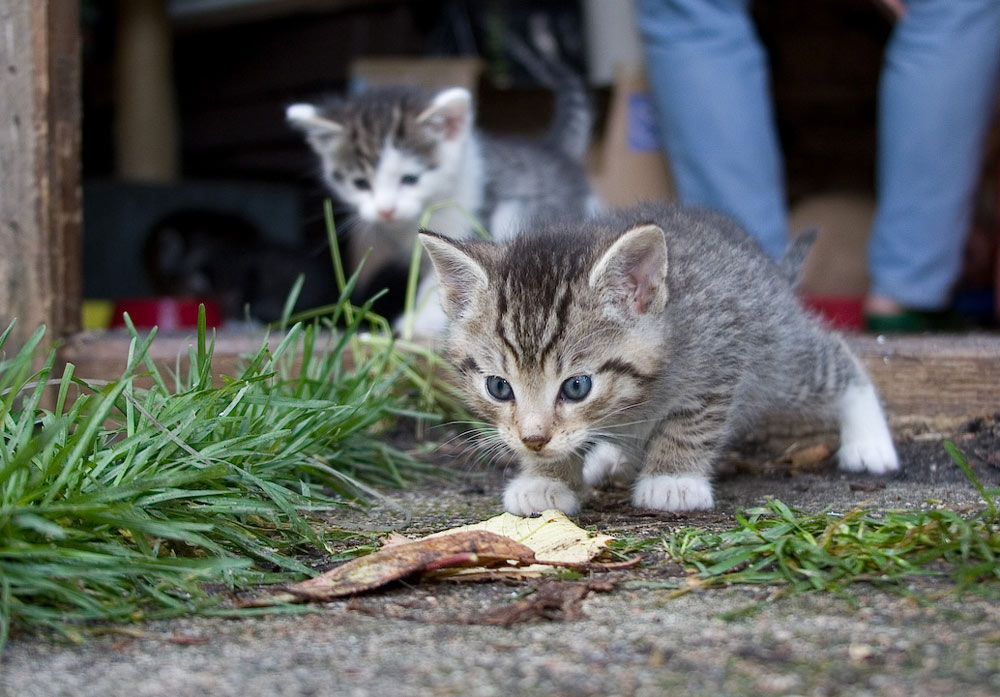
687	332
394	154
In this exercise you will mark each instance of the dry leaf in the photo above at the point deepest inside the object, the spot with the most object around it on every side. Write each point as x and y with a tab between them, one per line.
811	455
554	600
505	545
475	548
551	536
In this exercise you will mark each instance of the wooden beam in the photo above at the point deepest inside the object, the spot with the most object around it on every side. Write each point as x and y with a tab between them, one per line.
146	130
40	194
103	355
933	381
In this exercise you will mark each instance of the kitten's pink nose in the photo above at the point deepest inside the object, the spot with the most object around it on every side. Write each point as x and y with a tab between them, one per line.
386	213
536	442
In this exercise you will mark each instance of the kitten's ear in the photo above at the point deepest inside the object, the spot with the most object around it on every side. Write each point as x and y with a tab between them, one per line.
321	132
632	275
449	113
461	277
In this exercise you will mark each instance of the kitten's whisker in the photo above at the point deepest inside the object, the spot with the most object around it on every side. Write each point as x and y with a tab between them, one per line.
463	422
623	410
630	424
625	440
467	436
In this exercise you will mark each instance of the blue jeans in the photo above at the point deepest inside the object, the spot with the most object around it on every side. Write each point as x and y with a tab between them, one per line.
709	76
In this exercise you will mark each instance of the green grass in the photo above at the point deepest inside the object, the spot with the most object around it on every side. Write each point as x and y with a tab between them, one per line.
776	545
120	500
420	368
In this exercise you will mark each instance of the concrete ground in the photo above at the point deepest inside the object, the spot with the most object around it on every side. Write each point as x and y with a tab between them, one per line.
619	633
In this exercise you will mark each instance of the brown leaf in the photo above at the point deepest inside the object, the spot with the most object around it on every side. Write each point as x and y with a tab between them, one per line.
557	600
554	538
188	639
866	486
395	538
806	457
402	559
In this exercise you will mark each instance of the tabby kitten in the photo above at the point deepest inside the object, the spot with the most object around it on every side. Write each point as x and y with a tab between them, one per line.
392	153
640	343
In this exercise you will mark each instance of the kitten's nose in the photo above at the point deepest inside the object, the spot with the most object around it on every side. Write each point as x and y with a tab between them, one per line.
386	213
536	442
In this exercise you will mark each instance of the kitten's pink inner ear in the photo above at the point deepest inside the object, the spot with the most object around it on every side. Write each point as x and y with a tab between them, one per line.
449	112
633	272
647	279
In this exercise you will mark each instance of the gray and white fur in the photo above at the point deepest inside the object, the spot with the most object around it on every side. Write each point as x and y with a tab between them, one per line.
392	153
637	345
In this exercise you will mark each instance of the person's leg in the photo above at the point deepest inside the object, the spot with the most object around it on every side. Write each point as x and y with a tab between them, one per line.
936	98
710	82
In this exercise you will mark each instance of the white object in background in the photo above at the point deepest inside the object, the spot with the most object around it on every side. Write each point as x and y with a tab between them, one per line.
612	38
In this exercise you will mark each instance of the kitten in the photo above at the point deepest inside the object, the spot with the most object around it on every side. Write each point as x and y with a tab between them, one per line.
640	343
392	153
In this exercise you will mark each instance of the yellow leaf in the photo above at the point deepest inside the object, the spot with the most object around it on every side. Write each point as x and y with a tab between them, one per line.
551	536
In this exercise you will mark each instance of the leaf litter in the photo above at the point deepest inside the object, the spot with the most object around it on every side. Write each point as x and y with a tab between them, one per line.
503	547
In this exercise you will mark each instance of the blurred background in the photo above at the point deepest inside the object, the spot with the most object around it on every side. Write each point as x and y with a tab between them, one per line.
185	144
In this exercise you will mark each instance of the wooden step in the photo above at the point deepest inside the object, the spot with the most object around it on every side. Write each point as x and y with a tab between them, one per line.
934	381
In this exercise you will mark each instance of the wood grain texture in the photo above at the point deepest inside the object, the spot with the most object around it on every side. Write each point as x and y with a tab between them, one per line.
40	194
102	355
932	381
937	380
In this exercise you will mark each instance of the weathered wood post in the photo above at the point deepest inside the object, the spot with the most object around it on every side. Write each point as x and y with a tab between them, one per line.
40	194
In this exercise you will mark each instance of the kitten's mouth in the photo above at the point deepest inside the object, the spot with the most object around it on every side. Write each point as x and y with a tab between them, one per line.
544	455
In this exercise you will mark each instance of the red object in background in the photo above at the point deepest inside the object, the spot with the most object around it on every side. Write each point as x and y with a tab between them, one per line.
165	313
843	313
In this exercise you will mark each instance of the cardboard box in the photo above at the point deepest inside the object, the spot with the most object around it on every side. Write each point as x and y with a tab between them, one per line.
627	165
432	73
837	265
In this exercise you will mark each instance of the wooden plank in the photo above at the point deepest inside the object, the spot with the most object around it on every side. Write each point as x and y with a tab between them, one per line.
103	355
40	194
932	381
146	131
939	381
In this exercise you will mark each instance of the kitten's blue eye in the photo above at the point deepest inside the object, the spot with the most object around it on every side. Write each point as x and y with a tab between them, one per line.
409	179
362	184
576	388
499	388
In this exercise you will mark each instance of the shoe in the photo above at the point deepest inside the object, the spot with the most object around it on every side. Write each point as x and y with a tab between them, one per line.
914	321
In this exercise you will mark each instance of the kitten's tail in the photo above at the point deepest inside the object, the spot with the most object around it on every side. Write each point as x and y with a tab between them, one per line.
791	263
574	115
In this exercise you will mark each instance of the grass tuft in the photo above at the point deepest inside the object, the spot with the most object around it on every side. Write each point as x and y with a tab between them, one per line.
774	544
119	501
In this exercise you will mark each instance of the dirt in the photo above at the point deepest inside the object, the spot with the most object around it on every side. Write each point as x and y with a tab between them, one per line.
616	633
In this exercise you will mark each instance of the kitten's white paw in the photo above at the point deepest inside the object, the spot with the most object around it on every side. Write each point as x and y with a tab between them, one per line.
871	457
527	495
865	440
606	464
669	493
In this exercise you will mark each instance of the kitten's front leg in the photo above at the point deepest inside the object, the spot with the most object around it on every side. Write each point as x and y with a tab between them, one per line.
680	456
865	440
607	465
543	485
